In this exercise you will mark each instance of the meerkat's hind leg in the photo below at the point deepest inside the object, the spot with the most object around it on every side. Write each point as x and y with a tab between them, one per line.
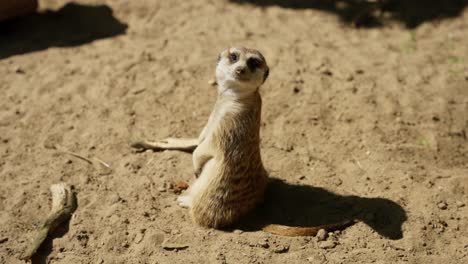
183	144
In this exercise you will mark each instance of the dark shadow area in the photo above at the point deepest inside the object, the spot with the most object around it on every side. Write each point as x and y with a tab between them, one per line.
366	13
306	206
72	25
40	257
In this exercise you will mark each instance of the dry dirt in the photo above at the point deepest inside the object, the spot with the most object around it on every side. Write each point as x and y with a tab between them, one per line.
369	123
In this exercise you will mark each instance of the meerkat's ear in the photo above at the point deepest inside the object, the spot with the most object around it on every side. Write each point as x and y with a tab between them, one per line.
222	54
265	75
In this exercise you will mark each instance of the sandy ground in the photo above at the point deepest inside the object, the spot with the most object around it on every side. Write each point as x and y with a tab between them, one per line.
368	123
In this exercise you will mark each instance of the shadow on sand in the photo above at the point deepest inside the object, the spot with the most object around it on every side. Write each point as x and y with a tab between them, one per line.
410	12
42	254
72	25
306	206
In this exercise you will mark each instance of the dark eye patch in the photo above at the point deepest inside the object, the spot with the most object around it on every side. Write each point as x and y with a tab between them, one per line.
253	63
233	57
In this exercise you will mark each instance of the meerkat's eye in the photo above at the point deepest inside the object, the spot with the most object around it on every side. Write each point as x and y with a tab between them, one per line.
253	63
233	57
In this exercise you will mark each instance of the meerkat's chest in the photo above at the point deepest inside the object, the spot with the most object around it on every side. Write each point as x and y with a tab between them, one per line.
218	116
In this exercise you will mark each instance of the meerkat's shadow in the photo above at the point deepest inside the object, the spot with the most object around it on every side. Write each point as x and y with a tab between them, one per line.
72	25
305	206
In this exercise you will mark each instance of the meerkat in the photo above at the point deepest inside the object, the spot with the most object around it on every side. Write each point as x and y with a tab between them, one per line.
230	176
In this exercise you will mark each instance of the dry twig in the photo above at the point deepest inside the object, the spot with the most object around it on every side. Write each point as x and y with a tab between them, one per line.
63	205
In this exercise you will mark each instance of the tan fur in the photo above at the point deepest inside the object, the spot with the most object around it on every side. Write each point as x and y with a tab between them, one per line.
234	183
231	179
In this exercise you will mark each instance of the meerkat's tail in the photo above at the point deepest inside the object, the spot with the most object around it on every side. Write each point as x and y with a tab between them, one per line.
283	230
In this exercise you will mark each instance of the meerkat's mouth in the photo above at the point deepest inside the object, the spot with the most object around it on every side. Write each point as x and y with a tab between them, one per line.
241	77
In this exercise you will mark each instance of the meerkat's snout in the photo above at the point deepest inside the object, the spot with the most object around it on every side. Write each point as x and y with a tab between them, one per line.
241	69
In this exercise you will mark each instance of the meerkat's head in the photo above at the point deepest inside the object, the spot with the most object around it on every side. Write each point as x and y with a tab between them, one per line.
241	70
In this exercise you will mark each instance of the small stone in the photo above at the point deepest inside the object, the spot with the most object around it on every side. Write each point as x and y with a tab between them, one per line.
114	198
264	243
174	246
327	72
3	240
138	238
327	244
338	182
460	204
321	235
296	89
180	186
212	82
19	70
442	205
237	231
281	249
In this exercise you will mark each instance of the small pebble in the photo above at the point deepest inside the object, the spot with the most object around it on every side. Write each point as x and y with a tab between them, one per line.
264	243
3	240
442	205
338	182
281	249
173	246
114	198
321	235
19	70
327	72
460	204
327	244
138	238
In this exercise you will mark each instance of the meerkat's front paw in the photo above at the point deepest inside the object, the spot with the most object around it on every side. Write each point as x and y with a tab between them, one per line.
184	201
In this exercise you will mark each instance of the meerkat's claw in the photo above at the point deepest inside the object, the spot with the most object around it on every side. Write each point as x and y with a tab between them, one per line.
184	201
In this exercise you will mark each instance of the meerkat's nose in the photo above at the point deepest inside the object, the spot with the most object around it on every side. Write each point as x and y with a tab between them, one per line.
240	70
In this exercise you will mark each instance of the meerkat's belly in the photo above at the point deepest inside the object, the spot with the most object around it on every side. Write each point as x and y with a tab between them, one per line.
219	201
